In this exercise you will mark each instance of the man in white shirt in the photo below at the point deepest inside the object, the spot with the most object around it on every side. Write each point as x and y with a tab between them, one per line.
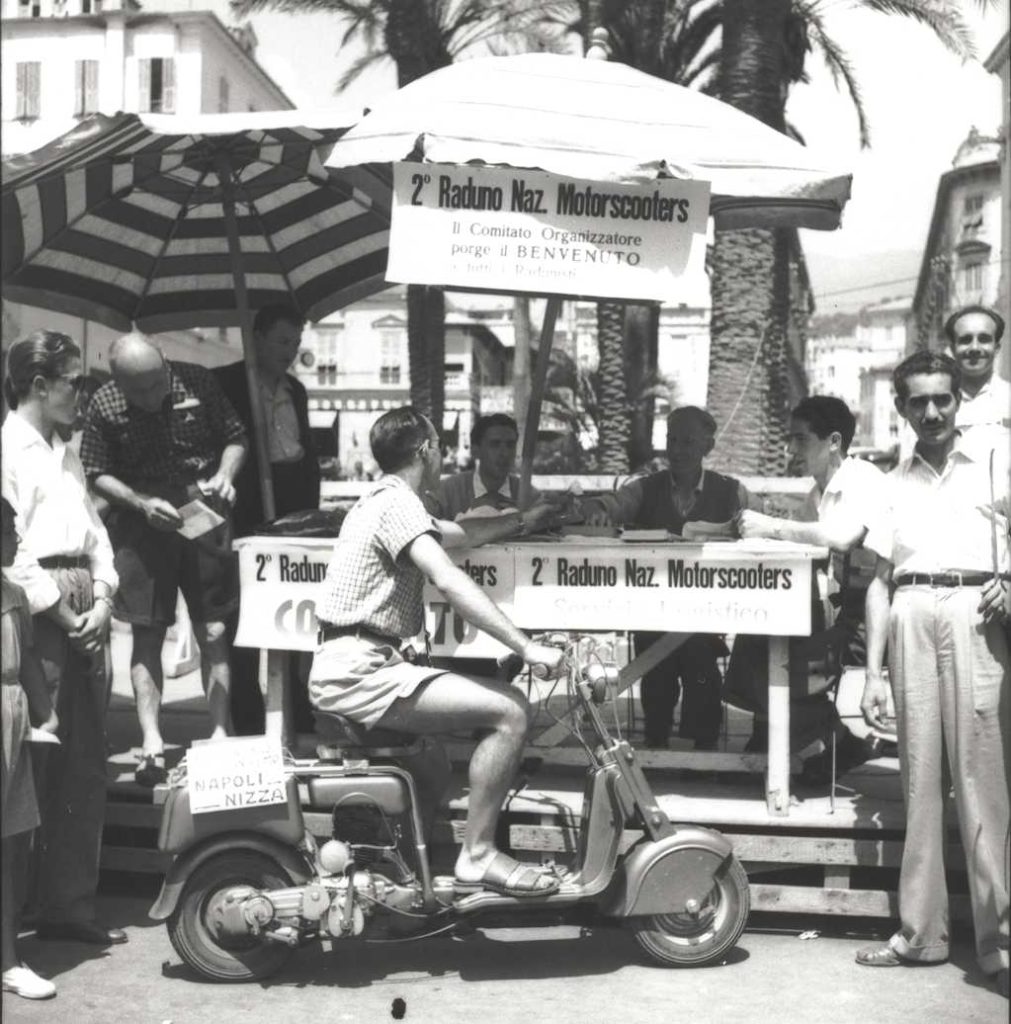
974	334
849	500
65	566
939	597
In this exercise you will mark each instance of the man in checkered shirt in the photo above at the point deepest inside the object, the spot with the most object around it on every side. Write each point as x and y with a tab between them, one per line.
155	437
388	546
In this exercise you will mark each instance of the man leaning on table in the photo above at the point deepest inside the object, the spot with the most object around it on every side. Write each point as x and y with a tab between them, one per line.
940	598
685	492
849	499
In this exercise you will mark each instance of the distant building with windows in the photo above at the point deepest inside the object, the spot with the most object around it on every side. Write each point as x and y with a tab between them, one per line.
65	59
854	362
961	261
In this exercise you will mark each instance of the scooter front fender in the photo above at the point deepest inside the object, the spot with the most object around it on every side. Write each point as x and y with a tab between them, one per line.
292	861
660	876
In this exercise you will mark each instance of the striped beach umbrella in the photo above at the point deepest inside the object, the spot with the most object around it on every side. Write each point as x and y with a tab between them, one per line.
163	223
123	220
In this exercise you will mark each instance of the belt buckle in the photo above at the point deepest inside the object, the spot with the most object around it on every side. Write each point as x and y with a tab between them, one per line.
957	576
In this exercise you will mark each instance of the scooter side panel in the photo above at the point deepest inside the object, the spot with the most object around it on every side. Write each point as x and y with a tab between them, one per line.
660	877
181	828
183	866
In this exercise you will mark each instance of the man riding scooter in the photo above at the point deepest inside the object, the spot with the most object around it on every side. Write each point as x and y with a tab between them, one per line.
372	601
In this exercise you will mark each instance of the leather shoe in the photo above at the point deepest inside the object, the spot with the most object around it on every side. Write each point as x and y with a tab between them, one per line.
81	931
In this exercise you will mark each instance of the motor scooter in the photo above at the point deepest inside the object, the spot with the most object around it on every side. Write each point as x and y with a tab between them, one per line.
244	890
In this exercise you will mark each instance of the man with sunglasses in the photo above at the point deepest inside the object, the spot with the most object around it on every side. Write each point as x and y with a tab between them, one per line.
974	334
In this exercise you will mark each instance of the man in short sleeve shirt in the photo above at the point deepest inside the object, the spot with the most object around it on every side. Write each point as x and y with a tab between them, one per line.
157	436
849	501
939	597
974	334
372	602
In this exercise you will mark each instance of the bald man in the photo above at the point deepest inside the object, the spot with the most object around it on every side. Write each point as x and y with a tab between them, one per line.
158	435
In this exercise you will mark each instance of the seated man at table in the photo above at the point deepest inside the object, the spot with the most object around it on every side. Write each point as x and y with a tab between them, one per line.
492	485
372	602
668	499
848	500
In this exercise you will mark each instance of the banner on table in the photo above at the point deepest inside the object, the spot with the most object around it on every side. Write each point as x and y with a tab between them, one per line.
505	229
552	586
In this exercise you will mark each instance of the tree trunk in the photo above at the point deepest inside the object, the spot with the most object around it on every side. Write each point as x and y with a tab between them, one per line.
750	305
418	355
522	331
642	322
416	45
612	451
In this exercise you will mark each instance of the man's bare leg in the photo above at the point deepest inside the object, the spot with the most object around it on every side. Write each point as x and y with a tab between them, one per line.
451	702
148	681
215	674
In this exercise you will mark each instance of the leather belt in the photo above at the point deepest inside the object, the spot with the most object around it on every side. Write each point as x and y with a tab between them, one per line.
947	579
328	631
65	562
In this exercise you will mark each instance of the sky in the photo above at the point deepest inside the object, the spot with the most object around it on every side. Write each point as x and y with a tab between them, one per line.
921	101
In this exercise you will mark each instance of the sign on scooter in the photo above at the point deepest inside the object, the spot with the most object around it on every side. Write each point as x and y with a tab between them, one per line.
241	771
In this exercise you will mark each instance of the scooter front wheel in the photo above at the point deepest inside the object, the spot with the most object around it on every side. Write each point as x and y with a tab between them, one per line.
201	944
704	934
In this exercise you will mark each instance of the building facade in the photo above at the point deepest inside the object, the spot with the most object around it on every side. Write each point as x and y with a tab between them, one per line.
65	59
999	63
961	261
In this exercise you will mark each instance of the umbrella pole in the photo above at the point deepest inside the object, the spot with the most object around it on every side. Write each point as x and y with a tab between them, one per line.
259	437
551	312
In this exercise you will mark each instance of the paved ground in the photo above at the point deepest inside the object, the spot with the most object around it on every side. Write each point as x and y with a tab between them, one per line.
558	974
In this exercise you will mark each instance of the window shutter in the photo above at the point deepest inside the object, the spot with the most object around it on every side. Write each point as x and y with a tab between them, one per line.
144	64
168	85
29	104
80	103
91	86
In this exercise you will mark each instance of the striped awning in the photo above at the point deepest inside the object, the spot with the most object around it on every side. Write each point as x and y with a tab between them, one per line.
121	220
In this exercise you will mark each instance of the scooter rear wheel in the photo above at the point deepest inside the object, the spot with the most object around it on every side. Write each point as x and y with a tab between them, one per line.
200	945
703	936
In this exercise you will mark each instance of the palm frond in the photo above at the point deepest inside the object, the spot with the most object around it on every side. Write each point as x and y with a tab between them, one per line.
943	17
362	63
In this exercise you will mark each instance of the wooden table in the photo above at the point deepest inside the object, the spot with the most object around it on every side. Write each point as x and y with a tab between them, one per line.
582	584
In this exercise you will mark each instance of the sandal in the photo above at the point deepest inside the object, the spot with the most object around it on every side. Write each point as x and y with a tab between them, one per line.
509	877
150	770
885	956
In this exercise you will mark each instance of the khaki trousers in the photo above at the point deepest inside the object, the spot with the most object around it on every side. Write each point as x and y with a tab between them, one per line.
949	676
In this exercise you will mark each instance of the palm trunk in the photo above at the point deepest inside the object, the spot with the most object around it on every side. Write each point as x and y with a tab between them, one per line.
750	282
642	322
612	451
522	331
416	45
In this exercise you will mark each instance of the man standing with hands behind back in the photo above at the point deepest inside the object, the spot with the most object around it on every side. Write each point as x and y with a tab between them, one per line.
939	598
295	477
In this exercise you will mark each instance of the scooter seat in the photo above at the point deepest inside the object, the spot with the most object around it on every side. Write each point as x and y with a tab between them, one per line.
342	732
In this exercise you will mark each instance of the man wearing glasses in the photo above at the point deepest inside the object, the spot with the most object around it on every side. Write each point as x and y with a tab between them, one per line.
65	566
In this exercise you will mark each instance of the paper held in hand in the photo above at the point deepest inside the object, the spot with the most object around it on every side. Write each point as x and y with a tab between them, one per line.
198	518
241	771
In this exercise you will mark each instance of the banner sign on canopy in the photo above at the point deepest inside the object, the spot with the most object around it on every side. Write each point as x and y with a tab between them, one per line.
506	229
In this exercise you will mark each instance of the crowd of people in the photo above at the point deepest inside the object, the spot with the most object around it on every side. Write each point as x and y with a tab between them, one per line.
918	578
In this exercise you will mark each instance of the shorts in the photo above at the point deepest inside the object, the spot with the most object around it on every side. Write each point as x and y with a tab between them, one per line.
154	565
360	678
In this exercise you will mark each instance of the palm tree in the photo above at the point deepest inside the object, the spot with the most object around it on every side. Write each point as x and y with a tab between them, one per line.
763	51
420	36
